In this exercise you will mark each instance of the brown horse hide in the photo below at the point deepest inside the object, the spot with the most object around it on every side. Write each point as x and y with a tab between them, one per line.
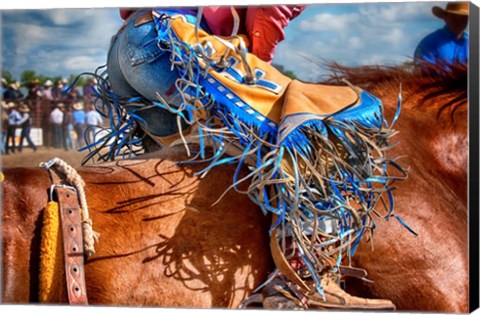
161	240
428	272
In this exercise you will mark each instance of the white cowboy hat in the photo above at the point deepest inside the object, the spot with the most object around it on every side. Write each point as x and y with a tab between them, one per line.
24	108
48	83
11	105
458	8
77	106
60	105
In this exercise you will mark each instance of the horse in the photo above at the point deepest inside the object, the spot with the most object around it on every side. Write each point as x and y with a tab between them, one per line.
165	241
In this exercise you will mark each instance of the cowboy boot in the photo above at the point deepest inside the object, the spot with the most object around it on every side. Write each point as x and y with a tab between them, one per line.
337	298
278	296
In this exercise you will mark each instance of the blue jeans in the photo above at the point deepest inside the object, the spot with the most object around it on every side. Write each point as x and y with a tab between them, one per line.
10	139
4	142
68	143
25	134
57	135
138	67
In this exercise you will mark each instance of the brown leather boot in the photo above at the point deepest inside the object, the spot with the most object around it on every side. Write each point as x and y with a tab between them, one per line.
337	298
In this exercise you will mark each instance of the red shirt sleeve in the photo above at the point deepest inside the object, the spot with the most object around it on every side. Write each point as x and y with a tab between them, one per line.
264	26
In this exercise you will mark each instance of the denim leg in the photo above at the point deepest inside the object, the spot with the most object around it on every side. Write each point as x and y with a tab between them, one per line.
10	138
68	137
22	137
137	66
4	139
26	135
80	131
58	135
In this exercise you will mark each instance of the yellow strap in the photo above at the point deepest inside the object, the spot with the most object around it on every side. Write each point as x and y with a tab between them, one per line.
52	269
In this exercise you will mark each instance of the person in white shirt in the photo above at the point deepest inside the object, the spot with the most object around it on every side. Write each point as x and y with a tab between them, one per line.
94	120
56	121
47	90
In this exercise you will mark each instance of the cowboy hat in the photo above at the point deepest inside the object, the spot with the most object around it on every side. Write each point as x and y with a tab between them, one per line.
60	105
48	83
11	105
458	8
4	105
24	108
15	85
77	106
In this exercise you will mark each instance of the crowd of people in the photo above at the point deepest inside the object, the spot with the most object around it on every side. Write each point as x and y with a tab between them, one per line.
63	114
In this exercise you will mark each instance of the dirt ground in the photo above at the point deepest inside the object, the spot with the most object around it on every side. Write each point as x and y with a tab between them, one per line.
28	158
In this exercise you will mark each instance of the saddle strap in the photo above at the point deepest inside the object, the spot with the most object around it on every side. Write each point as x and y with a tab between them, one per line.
73	250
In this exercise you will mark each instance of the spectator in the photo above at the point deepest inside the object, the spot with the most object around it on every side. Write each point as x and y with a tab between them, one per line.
34	90
47	90
93	120
449	44
71	97
79	123
25	123
56	122
4	126
47	98
57	92
68	143
13	119
13	93
89	91
4	83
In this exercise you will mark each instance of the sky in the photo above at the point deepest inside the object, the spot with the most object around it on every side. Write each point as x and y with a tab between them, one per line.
71	41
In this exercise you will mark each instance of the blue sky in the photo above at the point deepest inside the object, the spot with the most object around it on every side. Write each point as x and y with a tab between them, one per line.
70	41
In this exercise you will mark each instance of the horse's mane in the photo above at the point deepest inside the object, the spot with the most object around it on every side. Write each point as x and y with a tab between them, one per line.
427	83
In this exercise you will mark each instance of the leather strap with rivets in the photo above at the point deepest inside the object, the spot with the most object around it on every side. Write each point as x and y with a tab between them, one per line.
70	218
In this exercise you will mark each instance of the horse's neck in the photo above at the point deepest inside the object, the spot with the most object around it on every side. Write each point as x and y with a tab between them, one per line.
441	141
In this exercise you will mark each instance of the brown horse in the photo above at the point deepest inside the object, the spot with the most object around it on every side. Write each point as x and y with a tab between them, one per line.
163	243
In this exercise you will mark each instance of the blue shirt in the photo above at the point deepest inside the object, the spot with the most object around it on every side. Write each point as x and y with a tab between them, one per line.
443	45
78	116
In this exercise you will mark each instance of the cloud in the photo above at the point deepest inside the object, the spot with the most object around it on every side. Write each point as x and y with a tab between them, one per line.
328	22
394	13
356	34
57	42
67	41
